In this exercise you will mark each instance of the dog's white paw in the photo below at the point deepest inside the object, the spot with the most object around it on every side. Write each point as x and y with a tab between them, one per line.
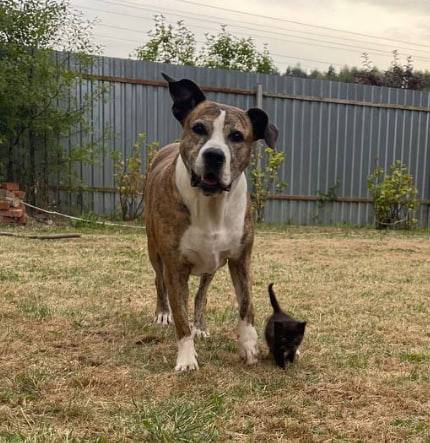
200	333
186	360
163	318
248	346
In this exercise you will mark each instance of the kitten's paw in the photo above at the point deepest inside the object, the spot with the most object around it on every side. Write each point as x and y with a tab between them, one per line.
186	360
163	318
248	347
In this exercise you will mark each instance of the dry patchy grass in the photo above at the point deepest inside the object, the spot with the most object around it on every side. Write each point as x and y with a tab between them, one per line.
80	359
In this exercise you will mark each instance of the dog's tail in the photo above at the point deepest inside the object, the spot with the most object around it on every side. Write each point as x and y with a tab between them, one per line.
273	300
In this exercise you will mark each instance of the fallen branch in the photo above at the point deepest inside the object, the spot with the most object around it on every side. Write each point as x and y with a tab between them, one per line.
41	237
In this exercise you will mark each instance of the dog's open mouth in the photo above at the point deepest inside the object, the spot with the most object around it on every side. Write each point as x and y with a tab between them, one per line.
209	183
210	180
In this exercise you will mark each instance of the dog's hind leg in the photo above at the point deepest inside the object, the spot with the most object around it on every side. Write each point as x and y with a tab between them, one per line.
162	311
240	275
199	329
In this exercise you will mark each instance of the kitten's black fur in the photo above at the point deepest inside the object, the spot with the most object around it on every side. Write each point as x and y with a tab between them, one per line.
283	333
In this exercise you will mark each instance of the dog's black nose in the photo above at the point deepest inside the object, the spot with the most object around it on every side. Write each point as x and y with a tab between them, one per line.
214	157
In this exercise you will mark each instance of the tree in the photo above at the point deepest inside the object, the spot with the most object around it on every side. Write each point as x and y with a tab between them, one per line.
347	74
397	76
296	71
226	51
36	110
177	45
169	44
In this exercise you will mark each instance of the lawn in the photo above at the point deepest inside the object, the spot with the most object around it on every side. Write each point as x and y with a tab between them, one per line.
80	359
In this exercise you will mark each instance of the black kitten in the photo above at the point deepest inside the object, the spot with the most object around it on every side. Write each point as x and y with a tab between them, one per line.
283	333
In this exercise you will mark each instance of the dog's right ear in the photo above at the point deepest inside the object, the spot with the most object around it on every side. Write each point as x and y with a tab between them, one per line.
186	96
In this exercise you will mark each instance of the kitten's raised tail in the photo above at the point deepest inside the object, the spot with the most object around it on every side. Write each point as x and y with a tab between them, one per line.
273	300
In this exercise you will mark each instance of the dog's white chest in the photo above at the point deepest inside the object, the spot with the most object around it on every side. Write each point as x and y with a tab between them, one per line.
209	249
217	224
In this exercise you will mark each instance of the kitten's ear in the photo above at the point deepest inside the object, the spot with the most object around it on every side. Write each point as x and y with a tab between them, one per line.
301	327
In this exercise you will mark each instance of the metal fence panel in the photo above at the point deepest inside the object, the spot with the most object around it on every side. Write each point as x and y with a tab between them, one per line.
328	134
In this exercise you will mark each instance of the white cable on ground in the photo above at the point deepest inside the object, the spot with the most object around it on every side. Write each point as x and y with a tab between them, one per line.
71	217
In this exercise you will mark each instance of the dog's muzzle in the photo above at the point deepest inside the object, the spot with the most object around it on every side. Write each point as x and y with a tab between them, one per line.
210	181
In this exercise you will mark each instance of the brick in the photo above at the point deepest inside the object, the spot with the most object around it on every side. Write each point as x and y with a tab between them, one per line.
13	220
15	202
9	186
19	194
4	205
23	220
16	213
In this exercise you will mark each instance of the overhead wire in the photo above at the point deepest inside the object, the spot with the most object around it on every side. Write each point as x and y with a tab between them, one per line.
300	59
198	16
357	49
379	37
121	28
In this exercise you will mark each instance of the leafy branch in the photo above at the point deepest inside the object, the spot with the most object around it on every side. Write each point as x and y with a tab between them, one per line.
130	180
394	197
265	178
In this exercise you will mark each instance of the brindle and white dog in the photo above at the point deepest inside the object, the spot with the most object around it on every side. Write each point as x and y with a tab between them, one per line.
198	214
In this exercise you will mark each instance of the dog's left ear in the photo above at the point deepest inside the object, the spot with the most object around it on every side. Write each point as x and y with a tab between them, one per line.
262	128
186	96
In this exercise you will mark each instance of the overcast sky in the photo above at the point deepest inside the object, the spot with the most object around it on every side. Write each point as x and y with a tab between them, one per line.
370	25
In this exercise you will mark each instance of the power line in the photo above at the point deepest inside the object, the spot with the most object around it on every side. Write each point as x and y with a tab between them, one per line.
356	49
191	16
276	55
121	28
379	37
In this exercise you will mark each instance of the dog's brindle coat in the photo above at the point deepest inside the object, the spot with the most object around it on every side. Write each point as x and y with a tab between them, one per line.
197	220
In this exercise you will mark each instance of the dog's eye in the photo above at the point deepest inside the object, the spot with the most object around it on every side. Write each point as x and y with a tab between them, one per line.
199	129
236	137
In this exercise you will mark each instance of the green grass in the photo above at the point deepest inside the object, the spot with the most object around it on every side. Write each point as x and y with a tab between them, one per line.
81	360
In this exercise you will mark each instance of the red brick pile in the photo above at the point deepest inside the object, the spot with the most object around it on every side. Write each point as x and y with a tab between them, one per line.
11	208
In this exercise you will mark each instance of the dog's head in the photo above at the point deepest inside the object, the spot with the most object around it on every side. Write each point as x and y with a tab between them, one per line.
217	139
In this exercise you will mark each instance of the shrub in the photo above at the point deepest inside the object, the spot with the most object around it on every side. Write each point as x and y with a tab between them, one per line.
394	197
326	198
265	179
130	179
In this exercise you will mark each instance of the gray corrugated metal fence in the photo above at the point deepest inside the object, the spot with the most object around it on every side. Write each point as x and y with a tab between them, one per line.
330	132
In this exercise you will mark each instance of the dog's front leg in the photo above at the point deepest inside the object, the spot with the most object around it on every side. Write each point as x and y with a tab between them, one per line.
240	275
176	280
200	306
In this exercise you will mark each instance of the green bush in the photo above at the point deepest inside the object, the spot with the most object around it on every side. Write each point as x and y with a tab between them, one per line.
38	110
265	178
130	180
394	197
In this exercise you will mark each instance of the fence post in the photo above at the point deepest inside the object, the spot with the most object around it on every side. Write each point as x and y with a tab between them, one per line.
259	104
259	96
